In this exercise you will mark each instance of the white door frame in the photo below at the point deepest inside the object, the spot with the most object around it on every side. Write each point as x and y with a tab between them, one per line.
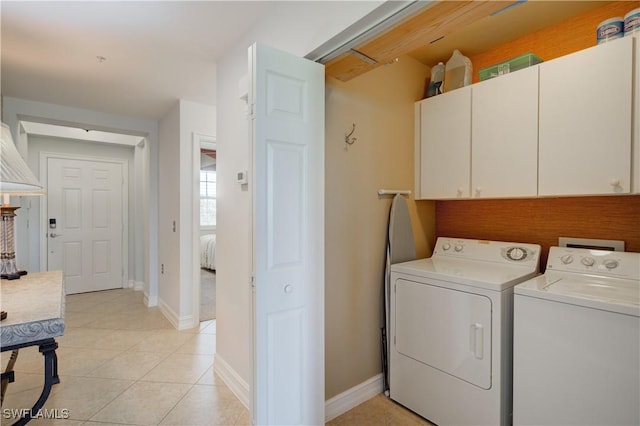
199	140
44	227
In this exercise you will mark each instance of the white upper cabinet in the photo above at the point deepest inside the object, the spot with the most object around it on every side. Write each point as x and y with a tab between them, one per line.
635	186
585	121
570	126
504	136
443	145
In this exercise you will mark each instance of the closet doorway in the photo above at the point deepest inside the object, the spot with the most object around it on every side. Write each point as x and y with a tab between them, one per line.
206	187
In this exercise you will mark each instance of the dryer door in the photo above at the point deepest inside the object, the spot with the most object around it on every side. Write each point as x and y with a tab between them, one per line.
446	329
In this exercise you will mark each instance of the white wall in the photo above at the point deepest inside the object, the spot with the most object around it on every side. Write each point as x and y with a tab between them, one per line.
141	208
38	144
169	211
176	151
296	27
15	109
381	104
200	119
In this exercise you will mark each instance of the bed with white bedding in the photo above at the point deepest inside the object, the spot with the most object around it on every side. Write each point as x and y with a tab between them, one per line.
208	251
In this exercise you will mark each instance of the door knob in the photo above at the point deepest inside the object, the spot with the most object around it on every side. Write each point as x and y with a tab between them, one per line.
54	235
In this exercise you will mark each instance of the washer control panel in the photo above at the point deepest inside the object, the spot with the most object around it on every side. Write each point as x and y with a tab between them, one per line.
600	262
489	251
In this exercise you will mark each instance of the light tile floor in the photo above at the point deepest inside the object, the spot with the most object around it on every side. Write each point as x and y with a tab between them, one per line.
379	411
121	363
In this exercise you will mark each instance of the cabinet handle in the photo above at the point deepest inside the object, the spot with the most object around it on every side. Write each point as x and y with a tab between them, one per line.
614	182
478	191
460	191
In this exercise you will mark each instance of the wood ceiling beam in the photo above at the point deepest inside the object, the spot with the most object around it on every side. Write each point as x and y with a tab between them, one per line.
433	23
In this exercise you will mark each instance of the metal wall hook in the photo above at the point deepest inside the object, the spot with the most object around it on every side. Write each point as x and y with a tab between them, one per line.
347	137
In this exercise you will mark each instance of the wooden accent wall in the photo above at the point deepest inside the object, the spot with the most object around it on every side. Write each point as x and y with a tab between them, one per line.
554	41
542	220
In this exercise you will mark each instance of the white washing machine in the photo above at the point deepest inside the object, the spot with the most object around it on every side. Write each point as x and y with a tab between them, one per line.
451	330
577	341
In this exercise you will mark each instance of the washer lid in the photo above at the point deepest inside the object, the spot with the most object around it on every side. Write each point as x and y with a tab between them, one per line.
610	294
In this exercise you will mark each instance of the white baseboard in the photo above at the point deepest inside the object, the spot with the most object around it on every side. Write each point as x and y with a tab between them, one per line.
239	387
138	285
334	407
150	301
353	397
180	323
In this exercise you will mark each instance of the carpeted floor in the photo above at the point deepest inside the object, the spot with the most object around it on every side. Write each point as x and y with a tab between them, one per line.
207	295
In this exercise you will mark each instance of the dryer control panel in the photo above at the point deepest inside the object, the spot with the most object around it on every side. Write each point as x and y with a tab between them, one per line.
487	251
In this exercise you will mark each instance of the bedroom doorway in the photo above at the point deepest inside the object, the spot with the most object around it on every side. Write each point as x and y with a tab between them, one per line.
206	188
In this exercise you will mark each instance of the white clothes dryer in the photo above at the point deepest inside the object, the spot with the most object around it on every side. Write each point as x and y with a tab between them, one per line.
451	330
577	340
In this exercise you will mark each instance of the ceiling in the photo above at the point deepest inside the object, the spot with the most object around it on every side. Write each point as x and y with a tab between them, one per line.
131	58
136	58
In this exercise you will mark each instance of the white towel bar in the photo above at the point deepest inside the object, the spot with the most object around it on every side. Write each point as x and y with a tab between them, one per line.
393	191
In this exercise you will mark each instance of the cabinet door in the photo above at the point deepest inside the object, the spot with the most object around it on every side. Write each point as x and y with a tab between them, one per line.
585	121
635	185
445	145
504	142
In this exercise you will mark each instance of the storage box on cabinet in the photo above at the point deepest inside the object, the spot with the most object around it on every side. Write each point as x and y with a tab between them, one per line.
585	121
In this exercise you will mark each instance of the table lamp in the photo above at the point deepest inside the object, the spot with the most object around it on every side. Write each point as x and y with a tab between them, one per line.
15	179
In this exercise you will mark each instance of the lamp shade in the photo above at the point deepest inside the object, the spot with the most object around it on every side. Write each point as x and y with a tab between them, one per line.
15	176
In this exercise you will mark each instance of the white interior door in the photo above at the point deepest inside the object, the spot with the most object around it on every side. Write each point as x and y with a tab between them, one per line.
85	223
287	101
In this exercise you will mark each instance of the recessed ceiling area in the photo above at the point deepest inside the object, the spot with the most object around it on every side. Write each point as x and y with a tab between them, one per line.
473	27
516	21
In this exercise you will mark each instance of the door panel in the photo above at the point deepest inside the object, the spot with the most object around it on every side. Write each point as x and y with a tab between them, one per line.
86	200
285	165
447	329
287	97
585	121
445	138
504	154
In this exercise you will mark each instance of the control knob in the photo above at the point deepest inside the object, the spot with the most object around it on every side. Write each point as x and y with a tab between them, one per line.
588	261
446	246
610	263
458	247
516	253
566	259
